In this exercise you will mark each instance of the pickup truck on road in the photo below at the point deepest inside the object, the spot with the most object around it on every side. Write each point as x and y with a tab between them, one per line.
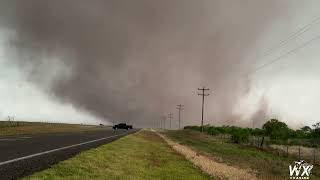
122	126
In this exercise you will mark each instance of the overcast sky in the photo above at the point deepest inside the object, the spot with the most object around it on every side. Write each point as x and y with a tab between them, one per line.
133	61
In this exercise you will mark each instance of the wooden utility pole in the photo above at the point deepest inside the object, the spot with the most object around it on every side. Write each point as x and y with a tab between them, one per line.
156	124
164	118
180	108
170	118
203	95
252	123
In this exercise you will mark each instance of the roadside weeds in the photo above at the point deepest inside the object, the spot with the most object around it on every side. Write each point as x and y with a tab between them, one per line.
208	165
142	155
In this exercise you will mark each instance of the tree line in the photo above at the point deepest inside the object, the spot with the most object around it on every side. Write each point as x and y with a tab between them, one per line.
276	131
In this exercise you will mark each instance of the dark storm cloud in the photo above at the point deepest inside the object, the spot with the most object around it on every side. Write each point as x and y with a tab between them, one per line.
135	59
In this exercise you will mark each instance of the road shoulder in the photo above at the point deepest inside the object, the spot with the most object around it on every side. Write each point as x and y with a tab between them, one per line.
208	165
142	155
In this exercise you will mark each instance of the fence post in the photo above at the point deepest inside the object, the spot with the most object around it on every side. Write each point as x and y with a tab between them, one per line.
299	152
314	155
253	141
262	142
287	147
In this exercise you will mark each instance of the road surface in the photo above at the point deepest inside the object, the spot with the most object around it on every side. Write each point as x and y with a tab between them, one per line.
23	155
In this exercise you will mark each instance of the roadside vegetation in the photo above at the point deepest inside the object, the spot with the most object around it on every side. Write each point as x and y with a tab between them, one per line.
8	128
276	131
266	165
276	136
143	155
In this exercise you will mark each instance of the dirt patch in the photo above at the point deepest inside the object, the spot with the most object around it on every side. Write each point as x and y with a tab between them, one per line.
208	165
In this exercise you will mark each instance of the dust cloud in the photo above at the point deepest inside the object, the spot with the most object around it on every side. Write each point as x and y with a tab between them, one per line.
134	61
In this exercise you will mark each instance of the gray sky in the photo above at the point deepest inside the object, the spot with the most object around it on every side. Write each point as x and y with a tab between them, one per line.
92	61
25	101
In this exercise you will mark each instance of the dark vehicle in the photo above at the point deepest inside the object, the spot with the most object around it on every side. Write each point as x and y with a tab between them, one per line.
122	126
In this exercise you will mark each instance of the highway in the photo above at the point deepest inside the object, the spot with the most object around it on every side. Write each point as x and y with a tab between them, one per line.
23	155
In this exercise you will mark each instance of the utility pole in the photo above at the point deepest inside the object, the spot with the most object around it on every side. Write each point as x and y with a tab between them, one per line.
164	118
203	95
180	108
170	118
252	123
10	119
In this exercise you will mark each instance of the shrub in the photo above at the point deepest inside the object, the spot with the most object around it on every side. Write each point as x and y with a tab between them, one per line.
240	135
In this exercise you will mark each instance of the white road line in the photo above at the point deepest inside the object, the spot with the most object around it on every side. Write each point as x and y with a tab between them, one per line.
15	138
8	139
58	149
25	137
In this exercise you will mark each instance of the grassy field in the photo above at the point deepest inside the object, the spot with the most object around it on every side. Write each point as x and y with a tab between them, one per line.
265	164
143	155
21	128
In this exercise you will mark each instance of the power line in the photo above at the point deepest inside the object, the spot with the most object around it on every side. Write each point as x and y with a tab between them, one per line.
296	34
203	95
284	55
180	108
282	43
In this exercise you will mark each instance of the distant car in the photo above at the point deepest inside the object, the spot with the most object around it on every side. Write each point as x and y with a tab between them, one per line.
122	126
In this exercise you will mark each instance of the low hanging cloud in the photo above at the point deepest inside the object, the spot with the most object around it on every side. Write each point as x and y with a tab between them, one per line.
135	60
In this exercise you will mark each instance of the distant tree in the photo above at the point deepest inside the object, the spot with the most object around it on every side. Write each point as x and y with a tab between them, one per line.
239	135
316	126
213	130
276	129
306	129
316	131
303	132
257	132
298	134
227	129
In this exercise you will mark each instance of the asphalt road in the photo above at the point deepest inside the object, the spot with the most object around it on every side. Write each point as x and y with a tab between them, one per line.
23	155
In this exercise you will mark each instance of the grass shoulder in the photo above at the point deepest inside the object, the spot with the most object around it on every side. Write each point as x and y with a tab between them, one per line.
266	165
143	155
28	128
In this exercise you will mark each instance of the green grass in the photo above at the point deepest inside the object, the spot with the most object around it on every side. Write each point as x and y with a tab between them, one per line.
266	164
22	128
142	155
